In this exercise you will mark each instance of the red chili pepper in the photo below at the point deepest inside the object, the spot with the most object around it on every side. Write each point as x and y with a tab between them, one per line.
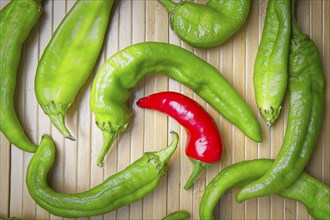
204	146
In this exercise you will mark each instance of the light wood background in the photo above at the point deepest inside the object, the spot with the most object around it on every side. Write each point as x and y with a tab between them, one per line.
75	170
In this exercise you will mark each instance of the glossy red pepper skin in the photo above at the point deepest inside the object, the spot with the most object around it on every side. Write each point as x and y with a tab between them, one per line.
204	145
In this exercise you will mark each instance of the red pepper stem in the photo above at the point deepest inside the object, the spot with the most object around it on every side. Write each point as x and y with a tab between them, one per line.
108	138
198	168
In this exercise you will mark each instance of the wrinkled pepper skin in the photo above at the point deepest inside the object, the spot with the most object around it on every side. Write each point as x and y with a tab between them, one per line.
17	19
306	189
271	65
307	103
120	189
207	25
121	73
69	58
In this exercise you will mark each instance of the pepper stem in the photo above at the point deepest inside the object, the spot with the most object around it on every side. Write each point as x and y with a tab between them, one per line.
165	154
168	4
108	138
58	122
198	168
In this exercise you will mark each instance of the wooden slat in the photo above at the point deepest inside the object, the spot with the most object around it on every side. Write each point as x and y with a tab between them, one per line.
5	175
75	167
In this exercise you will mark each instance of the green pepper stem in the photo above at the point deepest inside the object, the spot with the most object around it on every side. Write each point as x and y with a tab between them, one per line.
198	168
108	138
165	154
168	4
58	122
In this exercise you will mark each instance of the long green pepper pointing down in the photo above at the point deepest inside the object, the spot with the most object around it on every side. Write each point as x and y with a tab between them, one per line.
307	91
122	72
271	66
16	22
70	57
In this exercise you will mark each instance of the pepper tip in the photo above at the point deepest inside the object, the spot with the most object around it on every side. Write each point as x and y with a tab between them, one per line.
239	198
108	137
71	138
58	122
166	153
100	163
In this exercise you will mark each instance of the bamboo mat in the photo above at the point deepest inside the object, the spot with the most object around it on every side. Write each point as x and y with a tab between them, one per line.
75	169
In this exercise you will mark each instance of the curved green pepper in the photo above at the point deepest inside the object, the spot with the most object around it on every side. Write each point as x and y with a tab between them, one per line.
69	58
178	215
118	190
306	85
207	25
271	65
16	22
122	72
306	189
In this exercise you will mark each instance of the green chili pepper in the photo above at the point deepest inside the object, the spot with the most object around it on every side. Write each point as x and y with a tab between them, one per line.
271	66
122	72
306	189
179	215
306	85
16	22
69	58
118	190
207	25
